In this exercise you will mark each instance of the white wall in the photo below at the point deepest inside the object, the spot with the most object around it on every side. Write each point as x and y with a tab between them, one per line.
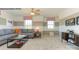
7	18
19	18
39	18
43	26
38	22
66	14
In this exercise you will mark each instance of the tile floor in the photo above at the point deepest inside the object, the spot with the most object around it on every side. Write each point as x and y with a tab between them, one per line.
45	43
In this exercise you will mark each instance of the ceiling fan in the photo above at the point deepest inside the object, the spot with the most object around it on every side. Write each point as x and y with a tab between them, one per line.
35	11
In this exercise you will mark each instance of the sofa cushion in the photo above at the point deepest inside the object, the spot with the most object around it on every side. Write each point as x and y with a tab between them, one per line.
4	37
30	30
23	30
6	31
2	32
27	30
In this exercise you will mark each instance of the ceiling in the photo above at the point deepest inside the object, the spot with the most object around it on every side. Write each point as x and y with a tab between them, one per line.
43	11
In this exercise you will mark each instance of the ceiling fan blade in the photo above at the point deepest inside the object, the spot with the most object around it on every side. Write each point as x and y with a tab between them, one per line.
32	10
37	13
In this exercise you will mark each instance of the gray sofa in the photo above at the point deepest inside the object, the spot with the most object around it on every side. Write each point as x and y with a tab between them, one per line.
6	34
28	32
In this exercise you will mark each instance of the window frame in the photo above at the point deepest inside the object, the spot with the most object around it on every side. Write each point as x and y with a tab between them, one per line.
27	24
49	23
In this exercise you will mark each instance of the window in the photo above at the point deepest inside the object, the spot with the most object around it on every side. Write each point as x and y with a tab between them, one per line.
28	24
50	24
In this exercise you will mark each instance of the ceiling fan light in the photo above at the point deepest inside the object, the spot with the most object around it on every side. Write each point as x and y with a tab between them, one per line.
32	13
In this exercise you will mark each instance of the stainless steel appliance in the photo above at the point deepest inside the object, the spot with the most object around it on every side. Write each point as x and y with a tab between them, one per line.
71	37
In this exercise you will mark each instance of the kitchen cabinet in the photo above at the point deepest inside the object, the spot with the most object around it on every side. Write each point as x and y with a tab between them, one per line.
65	36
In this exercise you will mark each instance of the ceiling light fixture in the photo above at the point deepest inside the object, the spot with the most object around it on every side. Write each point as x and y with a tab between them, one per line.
35	12
32	13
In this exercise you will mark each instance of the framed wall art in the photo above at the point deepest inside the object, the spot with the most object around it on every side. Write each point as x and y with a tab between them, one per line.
70	22
67	23
77	20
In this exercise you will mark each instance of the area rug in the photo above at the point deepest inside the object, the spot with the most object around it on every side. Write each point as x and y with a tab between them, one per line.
14	45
